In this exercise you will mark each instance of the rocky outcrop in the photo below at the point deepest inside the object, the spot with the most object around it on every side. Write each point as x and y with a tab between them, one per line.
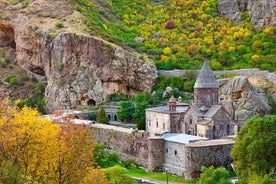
78	69
242	100
261	12
82	70
86	70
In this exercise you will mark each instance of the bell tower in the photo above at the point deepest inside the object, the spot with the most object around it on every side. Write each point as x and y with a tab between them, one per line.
206	87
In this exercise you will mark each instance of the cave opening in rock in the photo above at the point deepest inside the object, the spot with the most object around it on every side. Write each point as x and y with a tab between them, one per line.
7	35
91	102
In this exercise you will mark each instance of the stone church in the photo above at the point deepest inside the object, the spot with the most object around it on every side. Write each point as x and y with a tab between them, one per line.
204	117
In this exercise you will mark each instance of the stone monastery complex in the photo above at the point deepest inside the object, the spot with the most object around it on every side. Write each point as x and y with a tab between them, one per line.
204	117
180	137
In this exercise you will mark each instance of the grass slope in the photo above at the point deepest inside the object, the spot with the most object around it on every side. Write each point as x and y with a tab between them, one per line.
181	33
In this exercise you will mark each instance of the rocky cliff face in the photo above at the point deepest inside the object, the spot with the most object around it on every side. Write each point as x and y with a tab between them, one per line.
78	69
242	100
261	12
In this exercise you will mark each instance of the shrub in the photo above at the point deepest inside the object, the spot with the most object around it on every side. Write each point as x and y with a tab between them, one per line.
170	25
60	66
3	64
59	25
13	80
129	163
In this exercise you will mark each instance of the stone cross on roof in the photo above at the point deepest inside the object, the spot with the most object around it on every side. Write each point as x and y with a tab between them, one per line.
206	77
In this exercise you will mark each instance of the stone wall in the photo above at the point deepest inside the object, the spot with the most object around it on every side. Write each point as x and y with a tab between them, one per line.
174	158
270	76
207	153
127	143
155	153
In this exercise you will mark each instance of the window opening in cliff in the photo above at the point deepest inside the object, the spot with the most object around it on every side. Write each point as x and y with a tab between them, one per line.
115	118
109	117
7	35
91	102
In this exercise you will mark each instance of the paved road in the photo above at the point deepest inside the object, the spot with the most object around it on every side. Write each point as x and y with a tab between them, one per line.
149	181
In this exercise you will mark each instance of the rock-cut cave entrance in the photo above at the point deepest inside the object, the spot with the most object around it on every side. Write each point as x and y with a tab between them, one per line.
7	35
91	102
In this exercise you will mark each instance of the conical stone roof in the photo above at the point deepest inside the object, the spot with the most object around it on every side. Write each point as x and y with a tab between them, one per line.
172	100
206	77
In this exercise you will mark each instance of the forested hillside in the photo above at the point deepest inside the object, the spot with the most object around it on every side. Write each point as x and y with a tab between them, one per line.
180	33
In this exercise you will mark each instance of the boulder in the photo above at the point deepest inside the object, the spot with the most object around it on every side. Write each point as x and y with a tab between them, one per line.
261	12
242	100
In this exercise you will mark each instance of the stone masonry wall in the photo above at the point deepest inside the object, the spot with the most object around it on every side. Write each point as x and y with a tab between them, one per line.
127	143
207	153
155	153
270	76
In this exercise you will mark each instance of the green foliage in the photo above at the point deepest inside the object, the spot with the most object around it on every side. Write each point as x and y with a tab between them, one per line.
179	84
191	29
129	163
13	80
92	116
211	175
101	116
35	101
245	16
104	158
60	66
142	173
255	179
117	97
134	109
118	175
254	151
125	113
173	82
59	25
41	86
3	64
10	172
231	75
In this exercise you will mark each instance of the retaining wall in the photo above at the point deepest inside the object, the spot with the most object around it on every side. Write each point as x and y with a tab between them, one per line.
270	76
127	143
207	153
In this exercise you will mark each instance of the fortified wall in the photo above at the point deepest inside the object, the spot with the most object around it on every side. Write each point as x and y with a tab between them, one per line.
148	151
207	153
270	76
127	143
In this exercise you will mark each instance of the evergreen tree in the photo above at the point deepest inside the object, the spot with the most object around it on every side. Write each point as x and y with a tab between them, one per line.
101	116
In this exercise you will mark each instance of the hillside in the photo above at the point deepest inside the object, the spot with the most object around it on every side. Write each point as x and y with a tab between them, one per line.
179	34
85	51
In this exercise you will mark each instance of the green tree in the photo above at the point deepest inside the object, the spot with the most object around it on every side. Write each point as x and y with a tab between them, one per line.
255	179
117	175
101	116
211	175
254	151
126	111
140	115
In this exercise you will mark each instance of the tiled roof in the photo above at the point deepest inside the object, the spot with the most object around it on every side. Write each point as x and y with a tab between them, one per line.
206	77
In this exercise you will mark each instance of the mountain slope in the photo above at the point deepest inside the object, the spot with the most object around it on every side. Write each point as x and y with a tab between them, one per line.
179	34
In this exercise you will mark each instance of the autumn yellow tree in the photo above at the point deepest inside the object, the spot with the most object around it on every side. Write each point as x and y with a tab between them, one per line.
34	149
27	145
75	153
